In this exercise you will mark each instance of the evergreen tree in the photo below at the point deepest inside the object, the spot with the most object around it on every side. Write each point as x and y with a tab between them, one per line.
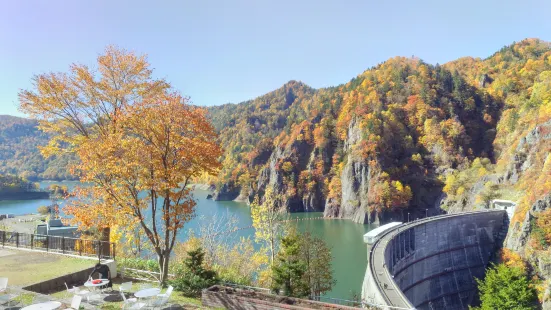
506	288
289	270
192	277
317	257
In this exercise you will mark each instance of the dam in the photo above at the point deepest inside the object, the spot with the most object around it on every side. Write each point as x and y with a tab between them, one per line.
432	263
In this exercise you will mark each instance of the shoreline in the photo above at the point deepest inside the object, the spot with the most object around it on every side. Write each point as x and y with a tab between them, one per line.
24	196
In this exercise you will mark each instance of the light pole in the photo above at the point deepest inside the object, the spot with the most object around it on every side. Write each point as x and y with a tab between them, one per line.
408	217
427	213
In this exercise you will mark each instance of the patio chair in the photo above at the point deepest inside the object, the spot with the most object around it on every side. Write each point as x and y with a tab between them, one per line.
131	303
167	293
162	299
75	303
70	290
126	286
3	284
82	293
7	299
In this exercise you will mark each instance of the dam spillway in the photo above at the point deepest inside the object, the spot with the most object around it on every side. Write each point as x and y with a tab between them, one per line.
432	263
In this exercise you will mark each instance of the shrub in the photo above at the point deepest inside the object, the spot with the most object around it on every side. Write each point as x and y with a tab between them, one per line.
43	210
506	288
139	263
192	277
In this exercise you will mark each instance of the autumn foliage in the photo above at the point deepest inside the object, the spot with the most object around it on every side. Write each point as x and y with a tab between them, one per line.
139	145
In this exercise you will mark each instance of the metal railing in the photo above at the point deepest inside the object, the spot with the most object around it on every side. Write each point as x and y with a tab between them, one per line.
59	244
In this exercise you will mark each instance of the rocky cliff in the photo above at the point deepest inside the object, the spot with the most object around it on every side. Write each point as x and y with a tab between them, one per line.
403	137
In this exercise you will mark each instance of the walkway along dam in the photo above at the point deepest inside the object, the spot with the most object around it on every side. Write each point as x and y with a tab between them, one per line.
432	263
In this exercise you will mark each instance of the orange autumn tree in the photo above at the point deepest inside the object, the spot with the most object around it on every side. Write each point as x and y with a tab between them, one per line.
138	145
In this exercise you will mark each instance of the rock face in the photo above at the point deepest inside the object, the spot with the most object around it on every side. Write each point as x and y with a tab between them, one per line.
523	157
519	233
275	175
226	192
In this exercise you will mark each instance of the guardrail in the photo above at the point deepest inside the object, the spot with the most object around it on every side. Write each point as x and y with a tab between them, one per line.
58	244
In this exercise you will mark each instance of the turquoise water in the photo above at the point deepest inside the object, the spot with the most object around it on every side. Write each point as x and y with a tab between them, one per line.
343	236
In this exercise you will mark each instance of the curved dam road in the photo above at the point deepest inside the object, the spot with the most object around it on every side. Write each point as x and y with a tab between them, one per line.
432	263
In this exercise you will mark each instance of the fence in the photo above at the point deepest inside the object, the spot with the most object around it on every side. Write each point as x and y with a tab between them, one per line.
59	244
142	275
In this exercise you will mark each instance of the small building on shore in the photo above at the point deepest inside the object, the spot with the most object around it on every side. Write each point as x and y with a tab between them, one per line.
56	228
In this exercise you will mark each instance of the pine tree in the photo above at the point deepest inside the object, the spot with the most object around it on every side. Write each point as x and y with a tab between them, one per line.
194	277
288	269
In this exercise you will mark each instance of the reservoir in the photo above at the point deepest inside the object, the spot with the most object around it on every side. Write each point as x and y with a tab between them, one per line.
344	237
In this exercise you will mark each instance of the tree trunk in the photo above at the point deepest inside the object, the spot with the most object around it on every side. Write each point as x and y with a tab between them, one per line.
163	268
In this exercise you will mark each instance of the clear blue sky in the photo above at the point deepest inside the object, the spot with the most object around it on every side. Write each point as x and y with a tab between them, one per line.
230	51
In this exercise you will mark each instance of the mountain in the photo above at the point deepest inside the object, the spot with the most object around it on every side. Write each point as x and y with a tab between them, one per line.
19	154
400	140
368	150
403	139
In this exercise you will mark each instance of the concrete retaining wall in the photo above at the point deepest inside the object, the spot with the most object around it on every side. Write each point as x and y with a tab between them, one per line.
434	263
72	279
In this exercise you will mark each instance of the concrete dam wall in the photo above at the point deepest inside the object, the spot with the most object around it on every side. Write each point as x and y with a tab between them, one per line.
432	263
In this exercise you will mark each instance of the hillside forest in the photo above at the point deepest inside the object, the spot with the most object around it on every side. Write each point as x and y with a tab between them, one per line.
404	138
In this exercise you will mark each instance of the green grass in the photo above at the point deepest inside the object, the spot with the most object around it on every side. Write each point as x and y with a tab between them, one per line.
24	268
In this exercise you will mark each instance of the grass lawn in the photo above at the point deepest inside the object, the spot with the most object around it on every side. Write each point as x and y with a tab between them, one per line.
24	267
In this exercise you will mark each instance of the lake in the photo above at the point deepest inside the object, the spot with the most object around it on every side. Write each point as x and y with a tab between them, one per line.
344	237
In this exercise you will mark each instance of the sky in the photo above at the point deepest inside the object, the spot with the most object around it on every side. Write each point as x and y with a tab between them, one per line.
231	51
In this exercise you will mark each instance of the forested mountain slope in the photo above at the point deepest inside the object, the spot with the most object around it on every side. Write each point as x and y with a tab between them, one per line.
19	154
365	150
406	137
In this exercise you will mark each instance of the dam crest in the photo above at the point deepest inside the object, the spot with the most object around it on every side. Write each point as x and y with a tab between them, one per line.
432	263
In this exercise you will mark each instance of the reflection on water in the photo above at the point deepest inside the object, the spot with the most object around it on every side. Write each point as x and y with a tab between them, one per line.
344	237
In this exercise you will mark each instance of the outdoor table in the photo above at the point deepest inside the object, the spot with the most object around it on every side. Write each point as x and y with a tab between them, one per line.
49	305
93	286
148	292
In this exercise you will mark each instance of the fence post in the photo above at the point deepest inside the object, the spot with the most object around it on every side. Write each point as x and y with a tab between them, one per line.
99	250
80	247
47	243
63	244
32	241
16	239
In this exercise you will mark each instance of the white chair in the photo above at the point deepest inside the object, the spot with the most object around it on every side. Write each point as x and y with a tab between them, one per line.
6	299
162	299
125	287
132	303
82	293
167	293
3	284
70	290
75	303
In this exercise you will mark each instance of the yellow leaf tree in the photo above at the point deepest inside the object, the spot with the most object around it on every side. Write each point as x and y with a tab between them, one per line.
268	221
138	144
